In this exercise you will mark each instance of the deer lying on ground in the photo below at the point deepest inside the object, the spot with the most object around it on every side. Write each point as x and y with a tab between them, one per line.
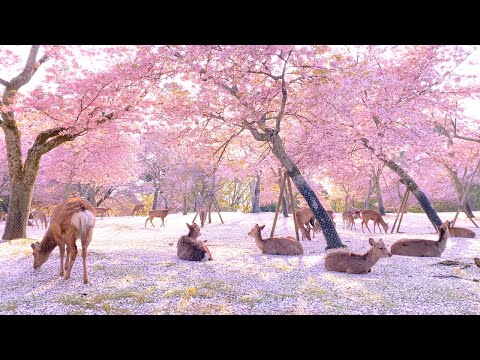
346	261
73	219
39	215
3	216
102	211
367	215
158	213
461	232
203	216
349	218
191	249
422	247
137	208
275	245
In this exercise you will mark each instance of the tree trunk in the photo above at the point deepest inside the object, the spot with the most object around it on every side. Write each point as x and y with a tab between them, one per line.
185	204
381	208
459	188
19	210
165	200
210	212
367	199
347	202
255	194
155	199
90	196
329	231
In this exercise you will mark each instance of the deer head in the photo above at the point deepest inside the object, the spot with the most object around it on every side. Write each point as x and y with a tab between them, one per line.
379	248
39	256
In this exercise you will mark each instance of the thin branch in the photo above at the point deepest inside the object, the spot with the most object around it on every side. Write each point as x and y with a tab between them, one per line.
4	82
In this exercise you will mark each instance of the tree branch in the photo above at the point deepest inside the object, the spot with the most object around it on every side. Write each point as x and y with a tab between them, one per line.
4	82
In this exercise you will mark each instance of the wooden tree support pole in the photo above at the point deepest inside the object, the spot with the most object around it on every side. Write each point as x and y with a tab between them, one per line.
399	210
462	202
403	210
196	215
292	201
217	207
279	203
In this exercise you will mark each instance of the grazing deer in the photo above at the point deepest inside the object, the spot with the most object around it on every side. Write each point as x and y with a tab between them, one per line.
73	219
157	213
3	216
102	211
346	261
275	245
137	208
461	232
422	247
304	218
39	215
349	218
203	216
191	249
367	215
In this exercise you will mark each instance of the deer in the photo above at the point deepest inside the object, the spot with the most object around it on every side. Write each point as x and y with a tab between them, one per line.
203	216
102	211
39	215
137	208
158	213
349	218
191	249
422	247
352	263
367	215
3	216
275	245
73	219
304	218
461	232
477	261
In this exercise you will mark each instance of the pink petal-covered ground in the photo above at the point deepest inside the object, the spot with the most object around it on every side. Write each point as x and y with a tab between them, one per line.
134	270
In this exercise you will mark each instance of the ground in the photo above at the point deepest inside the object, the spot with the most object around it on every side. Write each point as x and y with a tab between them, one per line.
135	270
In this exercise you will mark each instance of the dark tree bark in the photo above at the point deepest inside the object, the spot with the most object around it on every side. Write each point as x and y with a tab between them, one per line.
185	204
411	184
378	189
459	188
155	199
255	193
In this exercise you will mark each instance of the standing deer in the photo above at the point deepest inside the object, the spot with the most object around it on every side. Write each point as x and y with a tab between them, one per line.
102	211
304	218
157	213
275	245
349	218
137	208
39	215
422	247
367	215
203	216
346	261
73	219
191	249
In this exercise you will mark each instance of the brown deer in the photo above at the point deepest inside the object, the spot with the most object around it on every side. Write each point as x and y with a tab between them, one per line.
39	215
367	215
461	232
73	219
102	211
275	245
304	218
158	213
3	216
203	216
422	247
137	208
349	218
346	261
191	249
477	261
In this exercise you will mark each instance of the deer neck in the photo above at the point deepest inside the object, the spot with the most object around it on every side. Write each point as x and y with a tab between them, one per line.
370	257
48	242
259	240
192	234
443	236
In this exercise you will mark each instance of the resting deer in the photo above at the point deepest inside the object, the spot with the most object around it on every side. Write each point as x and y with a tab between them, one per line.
137	208
275	245
203	216
422	247
349	218
39	215
367	215
461	232
3	216
346	261
73	219
102	211
158	213
191	249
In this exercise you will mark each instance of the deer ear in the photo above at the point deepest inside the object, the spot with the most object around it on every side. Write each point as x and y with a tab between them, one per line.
33	246
188	225
371	241
261	227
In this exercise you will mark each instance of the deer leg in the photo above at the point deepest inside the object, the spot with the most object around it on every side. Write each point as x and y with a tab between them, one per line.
366	224
163	222
73	255
62	253
67	258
